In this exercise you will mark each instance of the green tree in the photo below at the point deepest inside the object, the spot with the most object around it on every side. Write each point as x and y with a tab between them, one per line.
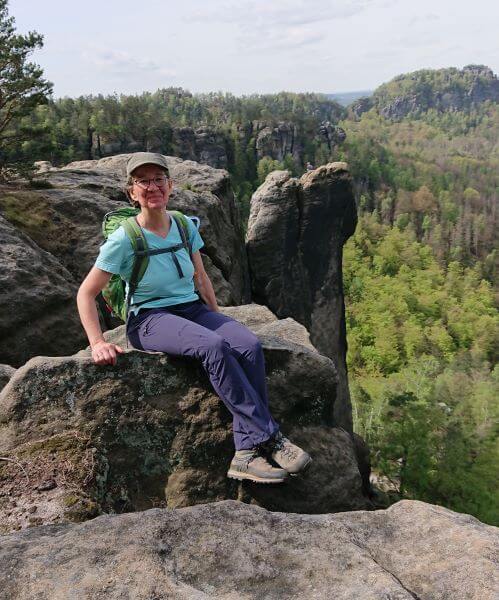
265	166
22	88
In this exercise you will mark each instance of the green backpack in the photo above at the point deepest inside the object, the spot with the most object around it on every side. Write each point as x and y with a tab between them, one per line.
114	294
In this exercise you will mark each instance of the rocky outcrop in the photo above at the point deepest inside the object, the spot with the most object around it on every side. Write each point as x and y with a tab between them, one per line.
37	300
360	106
61	223
441	90
278	141
198	190
233	551
296	232
6	372
81	439
331	134
204	145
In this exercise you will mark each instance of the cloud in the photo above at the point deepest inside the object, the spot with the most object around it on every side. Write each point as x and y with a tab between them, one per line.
423	20
123	63
271	38
281	12
281	24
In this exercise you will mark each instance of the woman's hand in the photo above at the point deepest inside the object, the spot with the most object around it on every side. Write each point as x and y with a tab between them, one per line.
104	353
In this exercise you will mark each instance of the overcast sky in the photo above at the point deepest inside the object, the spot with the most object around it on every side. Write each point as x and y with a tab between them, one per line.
253	46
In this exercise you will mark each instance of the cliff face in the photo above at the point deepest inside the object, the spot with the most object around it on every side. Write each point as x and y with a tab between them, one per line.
278	141
214	147
296	232
204	145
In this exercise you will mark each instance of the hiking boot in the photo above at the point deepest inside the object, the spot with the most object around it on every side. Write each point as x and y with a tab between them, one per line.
287	455
249	464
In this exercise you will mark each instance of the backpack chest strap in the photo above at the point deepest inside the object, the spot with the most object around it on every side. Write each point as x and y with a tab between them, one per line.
172	250
159	250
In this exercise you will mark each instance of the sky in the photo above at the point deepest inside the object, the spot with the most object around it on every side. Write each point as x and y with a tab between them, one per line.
253	46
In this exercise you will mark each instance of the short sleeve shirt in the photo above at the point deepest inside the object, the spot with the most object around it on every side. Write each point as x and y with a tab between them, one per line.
161	279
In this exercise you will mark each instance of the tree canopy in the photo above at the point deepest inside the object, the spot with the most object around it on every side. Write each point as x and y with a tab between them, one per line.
22	86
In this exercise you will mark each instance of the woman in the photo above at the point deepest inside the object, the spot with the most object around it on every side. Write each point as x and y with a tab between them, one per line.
175	321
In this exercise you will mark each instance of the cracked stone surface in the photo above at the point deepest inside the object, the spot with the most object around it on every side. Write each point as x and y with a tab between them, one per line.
232	551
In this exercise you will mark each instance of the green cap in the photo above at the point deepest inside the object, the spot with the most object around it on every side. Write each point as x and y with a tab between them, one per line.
145	158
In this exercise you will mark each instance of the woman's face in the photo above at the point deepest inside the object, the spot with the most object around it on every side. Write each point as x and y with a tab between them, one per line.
151	195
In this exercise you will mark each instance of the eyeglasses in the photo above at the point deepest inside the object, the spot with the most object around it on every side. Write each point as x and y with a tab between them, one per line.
145	183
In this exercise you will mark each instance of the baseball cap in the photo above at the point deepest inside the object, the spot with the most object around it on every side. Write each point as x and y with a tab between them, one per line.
146	158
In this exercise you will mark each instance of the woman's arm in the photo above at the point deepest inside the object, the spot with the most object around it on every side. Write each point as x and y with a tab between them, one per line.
203	283
103	352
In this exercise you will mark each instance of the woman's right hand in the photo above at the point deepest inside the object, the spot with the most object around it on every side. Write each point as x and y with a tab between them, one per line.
105	353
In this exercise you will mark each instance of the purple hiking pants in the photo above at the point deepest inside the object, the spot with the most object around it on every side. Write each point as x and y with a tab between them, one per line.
231	356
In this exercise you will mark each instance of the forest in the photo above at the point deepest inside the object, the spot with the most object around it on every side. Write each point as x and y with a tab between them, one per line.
420	272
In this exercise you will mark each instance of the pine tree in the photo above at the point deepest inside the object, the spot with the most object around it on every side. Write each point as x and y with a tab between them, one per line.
22	88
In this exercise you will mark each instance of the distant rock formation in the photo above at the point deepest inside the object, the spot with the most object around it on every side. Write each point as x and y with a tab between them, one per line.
213	146
204	144
85	439
295	237
278	141
231	550
439	89
52	236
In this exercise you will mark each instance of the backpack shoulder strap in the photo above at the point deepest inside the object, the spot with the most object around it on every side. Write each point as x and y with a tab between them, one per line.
139	244
183	227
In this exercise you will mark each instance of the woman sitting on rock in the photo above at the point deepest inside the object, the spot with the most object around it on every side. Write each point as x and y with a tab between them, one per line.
177	322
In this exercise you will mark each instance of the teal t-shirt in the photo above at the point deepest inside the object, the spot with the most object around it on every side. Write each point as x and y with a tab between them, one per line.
161	277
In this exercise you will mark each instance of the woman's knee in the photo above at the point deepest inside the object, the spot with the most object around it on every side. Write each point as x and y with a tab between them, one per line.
253	345
214	347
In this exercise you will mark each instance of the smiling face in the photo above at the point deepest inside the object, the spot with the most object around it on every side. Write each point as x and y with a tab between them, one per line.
153	196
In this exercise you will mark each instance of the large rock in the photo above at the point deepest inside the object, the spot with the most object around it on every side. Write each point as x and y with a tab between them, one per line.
232	551
62	222
65	222
199	190
37	300
82	439
296	232
6	372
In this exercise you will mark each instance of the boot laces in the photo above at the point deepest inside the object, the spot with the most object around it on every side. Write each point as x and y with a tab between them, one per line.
283	445
255	456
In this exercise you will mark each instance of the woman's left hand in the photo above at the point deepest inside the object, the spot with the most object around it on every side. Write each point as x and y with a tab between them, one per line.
105	353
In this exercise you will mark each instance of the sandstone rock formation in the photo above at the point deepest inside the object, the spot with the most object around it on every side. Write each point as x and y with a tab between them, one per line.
228	550
278	141
199	190
296	232
413	94
61	225
82	439
6	372
37	300
204	144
